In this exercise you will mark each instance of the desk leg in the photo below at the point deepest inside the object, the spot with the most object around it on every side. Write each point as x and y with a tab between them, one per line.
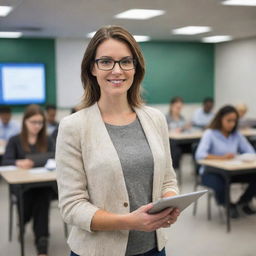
21	219
227	195
10	214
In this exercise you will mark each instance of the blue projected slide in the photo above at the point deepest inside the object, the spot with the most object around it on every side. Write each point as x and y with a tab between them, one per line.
22	83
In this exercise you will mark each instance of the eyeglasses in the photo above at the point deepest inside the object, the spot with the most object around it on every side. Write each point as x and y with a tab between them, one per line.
108	64
39	123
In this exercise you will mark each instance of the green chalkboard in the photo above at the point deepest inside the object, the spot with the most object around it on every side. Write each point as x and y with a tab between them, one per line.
178	69
32	50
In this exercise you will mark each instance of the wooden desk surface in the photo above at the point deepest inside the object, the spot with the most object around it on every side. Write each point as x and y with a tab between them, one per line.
248	132
186	135
198	134
25	176
229	165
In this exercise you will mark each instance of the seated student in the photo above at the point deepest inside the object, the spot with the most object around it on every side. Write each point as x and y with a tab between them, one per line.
222	141
177	123
19	151
244	122
52	124
8	127
55	132
203	116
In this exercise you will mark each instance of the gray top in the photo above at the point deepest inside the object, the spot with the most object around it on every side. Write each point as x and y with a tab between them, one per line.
174	124
137	164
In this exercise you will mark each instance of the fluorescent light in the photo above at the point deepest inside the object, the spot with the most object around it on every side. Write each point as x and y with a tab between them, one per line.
5	10
191	30
138	38
91	34
139	14
216	39
141	38
10	34
240	2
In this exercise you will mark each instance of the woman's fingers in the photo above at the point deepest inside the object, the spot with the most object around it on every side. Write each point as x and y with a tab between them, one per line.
169	220
150	222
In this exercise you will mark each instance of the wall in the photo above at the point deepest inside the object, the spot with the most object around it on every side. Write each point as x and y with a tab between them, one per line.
178	69
184	69
32	50
235	74
69	54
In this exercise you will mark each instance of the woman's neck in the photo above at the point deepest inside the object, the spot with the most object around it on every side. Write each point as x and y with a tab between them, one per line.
225	133
114	106
116	111
32	139
175	116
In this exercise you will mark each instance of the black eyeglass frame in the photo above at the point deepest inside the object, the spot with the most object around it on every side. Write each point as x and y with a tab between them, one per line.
116	61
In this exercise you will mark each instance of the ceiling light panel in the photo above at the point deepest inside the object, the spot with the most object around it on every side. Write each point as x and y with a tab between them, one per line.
140	38
191	30
10	34
5	10
91	34
139	14
240	2
216	39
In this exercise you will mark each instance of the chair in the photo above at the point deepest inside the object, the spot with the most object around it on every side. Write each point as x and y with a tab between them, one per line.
13	201
198	183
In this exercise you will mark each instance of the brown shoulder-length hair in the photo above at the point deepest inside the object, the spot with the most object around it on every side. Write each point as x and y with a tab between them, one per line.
90	84
216	123
41	143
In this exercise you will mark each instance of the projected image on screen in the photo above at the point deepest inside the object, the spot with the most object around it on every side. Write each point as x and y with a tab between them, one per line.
22	83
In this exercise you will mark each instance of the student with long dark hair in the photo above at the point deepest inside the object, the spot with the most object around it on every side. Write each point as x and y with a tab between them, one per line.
223	141
20	151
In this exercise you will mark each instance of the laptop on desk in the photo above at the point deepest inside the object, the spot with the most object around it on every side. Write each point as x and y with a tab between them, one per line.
40	159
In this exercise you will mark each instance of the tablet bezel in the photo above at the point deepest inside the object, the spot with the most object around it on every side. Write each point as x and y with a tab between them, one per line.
179	201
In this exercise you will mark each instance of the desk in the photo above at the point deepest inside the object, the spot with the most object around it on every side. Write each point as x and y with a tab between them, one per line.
248	132
23	180
227	169
197	134
186	136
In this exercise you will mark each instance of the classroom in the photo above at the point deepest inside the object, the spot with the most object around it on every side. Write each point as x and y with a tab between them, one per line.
109	105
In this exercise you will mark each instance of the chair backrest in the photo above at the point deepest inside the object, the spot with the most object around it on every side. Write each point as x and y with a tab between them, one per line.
196	165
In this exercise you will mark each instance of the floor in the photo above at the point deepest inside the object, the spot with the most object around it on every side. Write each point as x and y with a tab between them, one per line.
191	235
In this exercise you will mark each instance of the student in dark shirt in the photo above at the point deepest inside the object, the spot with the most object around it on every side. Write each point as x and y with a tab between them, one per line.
33	141
52	124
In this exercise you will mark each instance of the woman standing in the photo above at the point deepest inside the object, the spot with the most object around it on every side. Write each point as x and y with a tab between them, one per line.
20	151
222	141
113	156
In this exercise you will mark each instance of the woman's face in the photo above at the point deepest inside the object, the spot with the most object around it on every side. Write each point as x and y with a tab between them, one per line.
113	82
34	124
228	122
177	107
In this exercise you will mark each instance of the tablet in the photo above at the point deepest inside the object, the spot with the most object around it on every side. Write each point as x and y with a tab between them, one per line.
180	201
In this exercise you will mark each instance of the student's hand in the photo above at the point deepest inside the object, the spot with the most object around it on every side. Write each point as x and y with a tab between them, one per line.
142	221
188	126
24	163
228	156
177	130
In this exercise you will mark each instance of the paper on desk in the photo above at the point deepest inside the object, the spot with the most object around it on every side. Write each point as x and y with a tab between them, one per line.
8	168
235	162
38	170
